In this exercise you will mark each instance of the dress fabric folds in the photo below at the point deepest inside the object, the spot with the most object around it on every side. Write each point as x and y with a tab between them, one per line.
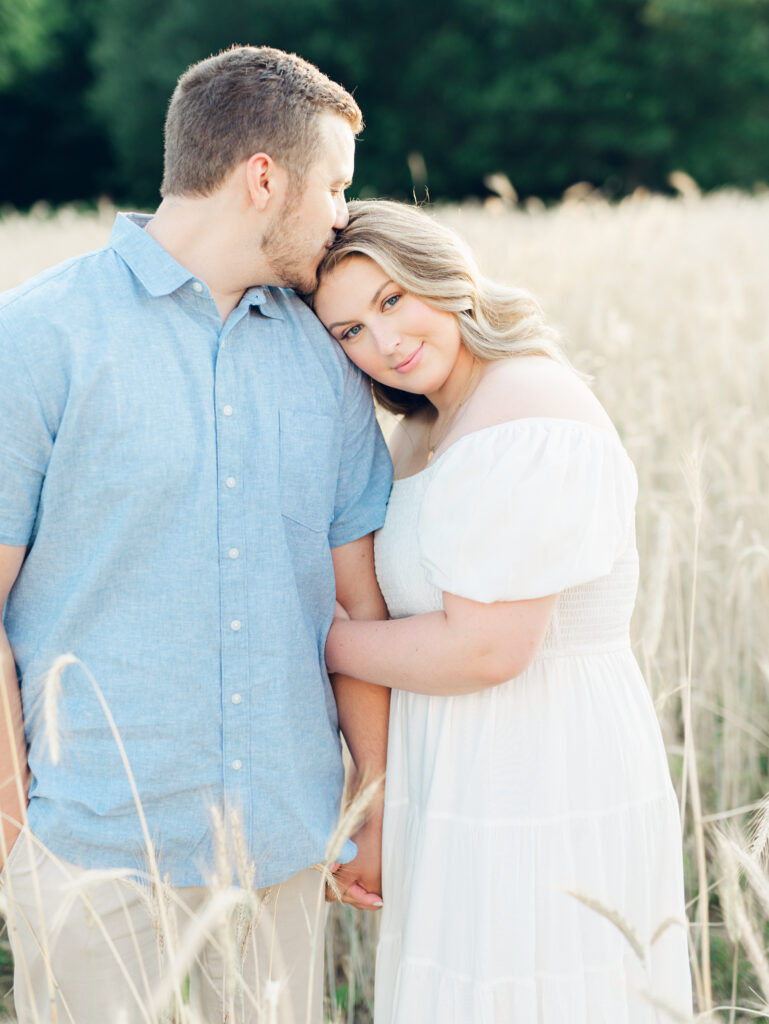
532	869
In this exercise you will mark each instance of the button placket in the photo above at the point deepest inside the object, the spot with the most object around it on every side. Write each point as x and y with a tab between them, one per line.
232	568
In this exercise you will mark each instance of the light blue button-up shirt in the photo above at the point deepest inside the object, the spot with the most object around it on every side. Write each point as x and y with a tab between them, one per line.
179	483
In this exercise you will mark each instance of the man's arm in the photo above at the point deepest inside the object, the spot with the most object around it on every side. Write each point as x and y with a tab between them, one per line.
14	771
363	718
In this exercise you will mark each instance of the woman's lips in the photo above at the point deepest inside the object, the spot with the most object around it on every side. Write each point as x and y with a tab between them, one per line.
413	360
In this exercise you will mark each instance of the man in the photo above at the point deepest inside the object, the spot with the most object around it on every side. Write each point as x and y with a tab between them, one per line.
186	462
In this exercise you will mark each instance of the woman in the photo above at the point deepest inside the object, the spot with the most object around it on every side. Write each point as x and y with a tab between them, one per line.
532	859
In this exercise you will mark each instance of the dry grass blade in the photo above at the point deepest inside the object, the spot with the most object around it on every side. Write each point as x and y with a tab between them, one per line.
669	922
759	832
752	941
352	817
51	693
657	573
616	919
673	1015
206	928
755	877
665	302
53	680
739	918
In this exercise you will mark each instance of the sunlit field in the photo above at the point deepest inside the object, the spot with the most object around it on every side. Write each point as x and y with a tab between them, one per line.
665	302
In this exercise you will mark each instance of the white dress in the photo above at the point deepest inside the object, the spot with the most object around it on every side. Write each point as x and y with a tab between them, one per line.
505	806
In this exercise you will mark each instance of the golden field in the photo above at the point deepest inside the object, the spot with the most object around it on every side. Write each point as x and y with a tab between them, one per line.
665	302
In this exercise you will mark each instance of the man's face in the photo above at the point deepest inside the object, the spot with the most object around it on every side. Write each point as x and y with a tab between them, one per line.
304	228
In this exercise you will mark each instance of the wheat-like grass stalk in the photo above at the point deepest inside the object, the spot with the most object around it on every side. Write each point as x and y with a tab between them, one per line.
759	832
665	303
693	473
53	683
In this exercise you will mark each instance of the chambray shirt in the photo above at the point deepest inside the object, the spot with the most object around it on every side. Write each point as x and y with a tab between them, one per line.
179	483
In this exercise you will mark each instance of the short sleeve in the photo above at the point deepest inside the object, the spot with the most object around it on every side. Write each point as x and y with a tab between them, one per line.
365	469
525	509
25	446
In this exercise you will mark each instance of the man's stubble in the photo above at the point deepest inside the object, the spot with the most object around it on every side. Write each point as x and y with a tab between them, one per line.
291	257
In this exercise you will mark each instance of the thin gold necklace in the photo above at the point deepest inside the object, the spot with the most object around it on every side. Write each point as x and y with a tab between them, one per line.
471	381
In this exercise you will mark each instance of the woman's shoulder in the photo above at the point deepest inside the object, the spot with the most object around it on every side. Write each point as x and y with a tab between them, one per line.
535	387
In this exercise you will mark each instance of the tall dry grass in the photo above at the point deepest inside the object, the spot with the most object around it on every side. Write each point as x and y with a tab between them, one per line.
665	302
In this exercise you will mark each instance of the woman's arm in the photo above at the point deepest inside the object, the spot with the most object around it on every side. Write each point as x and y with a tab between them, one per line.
466	647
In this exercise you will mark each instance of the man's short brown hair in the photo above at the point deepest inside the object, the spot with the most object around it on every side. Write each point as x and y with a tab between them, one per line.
247	100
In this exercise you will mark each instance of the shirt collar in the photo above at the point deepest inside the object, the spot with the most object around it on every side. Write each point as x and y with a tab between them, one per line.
159	272
264	298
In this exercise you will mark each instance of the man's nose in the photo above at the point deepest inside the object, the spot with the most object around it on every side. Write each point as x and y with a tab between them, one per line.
342	214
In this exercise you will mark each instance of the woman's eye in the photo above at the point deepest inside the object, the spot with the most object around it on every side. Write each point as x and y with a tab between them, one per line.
390	301
352	332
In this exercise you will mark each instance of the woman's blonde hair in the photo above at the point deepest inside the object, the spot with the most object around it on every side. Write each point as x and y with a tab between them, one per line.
431	262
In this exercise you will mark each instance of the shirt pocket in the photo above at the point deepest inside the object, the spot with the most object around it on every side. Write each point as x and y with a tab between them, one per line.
310	445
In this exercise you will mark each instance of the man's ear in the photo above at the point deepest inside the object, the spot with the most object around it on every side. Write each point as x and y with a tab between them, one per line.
264	179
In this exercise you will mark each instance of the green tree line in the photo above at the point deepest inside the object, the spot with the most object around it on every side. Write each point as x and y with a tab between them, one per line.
549	92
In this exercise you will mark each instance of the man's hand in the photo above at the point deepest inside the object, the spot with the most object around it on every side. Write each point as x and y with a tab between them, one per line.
360	881
363	714
14	770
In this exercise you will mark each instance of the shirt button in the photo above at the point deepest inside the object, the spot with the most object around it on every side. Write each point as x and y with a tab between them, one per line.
236	698
237	765
230	481
233	553
197	286
235	625
227	410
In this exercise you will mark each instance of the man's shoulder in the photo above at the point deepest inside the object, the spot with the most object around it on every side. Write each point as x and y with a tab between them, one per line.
297	309
304	325
294	306
57	289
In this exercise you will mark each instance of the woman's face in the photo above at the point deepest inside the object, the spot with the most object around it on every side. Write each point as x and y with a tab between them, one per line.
391	335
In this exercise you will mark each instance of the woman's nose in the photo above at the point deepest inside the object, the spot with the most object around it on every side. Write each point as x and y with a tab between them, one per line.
386	340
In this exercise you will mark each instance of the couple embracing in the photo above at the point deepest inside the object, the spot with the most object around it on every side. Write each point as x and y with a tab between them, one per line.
191	476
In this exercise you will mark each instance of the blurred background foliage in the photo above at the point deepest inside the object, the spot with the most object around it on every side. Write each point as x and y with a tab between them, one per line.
617	93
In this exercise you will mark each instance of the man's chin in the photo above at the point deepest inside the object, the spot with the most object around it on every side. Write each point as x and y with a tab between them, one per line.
306	286
303	280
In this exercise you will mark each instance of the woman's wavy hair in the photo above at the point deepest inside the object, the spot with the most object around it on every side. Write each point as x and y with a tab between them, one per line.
431	262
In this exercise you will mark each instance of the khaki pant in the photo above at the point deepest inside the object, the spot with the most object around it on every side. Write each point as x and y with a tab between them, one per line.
90	947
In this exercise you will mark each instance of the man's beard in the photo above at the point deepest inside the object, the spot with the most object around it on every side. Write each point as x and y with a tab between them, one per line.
288	265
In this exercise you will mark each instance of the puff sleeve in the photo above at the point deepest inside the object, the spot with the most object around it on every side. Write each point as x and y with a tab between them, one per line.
527	508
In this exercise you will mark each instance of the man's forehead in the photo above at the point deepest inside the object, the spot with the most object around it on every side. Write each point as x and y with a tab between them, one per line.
337	146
